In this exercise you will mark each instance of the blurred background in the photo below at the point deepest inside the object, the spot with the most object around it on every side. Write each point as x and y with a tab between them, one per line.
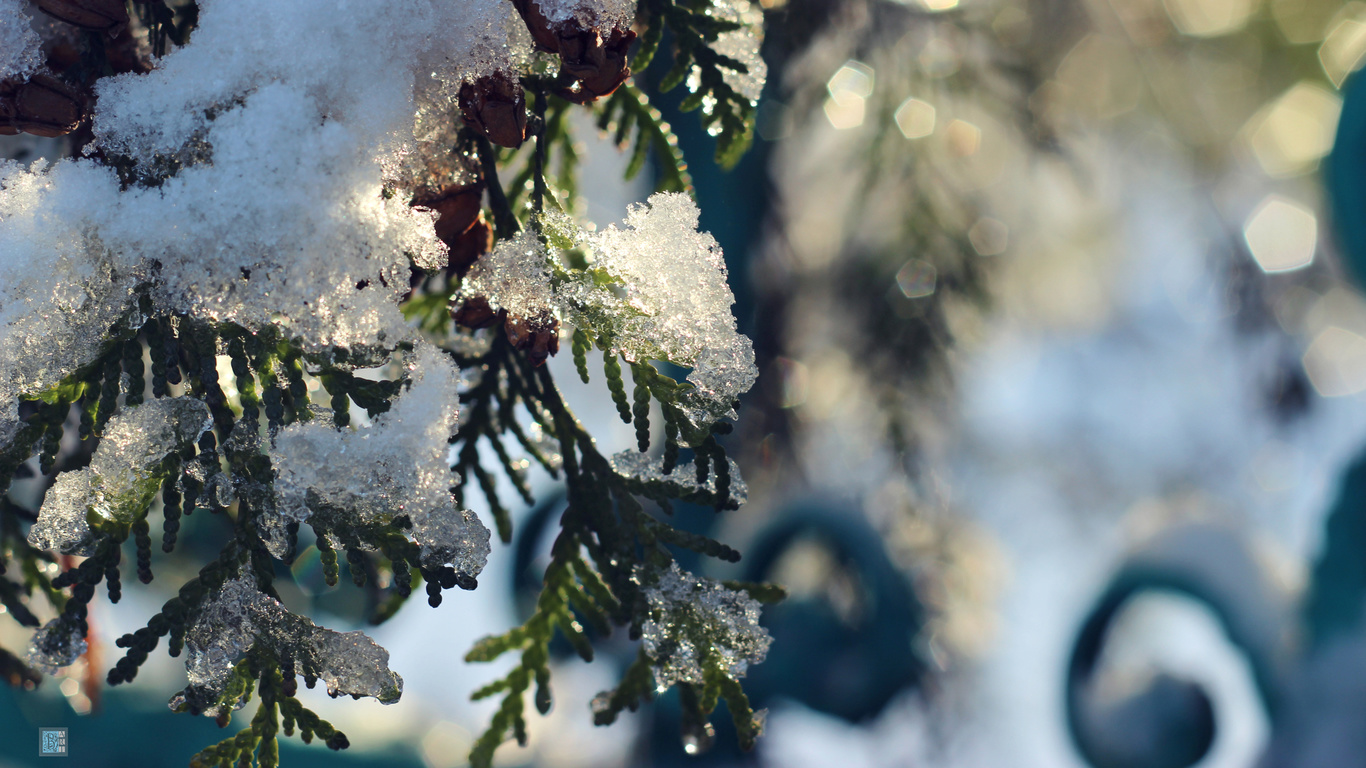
1058	439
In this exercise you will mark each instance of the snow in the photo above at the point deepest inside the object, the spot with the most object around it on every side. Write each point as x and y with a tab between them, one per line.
690	617
20	55
600	14
123	472
258	162
396	466
239	616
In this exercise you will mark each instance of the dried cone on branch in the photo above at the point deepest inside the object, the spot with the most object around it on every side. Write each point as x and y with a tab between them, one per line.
42	106
100	15
538	336
460	223
495	106
593	56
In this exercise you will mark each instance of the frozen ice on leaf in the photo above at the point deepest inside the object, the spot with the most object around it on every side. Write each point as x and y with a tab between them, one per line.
56	644
452	535
696	622
62	524
239	617
137	440
682	482
124	472
396	466
351	664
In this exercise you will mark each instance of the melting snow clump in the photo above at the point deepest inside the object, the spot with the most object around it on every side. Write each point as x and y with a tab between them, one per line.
257	157
690	617
59	291
123	475
682	481
657	291
396	466
56	644
240	616
514	277
677	302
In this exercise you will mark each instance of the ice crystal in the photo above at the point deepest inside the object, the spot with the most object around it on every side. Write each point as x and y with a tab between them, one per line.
19	44
239	617
673	301
681	482
123	475
696	621
396	466
62	525
56	644
514	277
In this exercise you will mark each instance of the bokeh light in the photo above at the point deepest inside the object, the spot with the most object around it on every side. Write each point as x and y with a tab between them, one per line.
1281	235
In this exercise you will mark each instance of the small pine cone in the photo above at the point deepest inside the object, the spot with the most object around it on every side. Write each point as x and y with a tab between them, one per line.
538	337
477	241
495	106
598	64
42	106
456	205
596	58
476	313
100	15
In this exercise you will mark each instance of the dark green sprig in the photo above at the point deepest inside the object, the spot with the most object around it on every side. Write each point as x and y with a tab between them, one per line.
628	110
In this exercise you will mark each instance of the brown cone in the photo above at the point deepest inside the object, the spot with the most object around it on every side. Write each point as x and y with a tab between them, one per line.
466	249
460	223
457	207
538	25
598	63
495	106
99	15
476	313
42	106
539	337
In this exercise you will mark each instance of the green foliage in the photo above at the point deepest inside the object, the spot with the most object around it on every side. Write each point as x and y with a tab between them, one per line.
726	114
279	712
613	537
628	111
